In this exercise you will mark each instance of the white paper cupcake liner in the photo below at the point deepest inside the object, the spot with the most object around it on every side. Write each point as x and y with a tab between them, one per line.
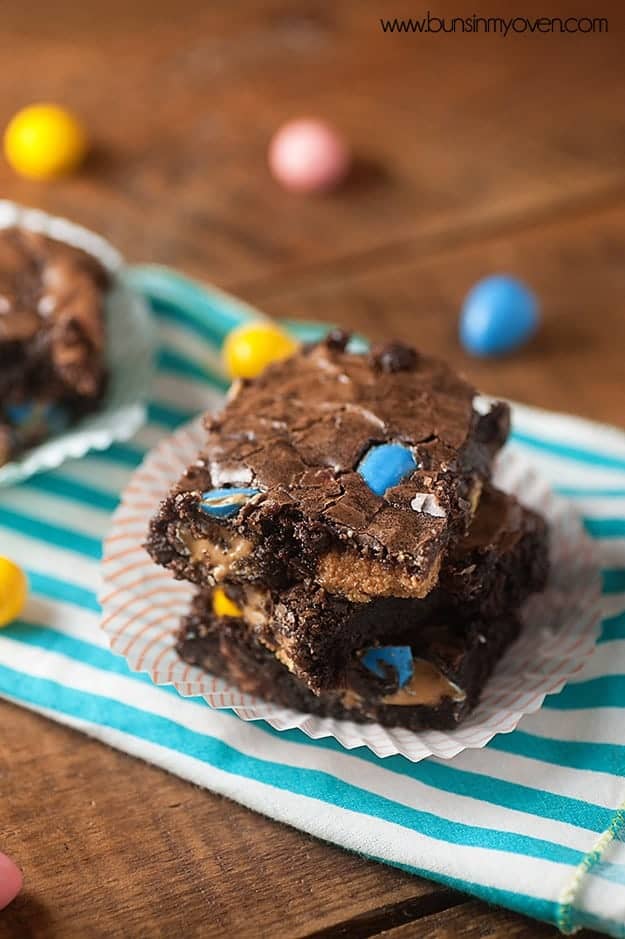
130	345
142	606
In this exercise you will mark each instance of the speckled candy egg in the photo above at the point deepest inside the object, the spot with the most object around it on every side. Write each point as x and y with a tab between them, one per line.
44	140
13	591
386	465
251	347
499	315
308	155
10	880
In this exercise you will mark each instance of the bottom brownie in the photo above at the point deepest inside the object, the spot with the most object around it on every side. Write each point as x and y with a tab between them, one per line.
431	684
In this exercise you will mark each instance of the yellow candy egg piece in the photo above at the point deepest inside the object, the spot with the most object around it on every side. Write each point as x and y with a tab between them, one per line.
223	605
13	591
250	348
43	141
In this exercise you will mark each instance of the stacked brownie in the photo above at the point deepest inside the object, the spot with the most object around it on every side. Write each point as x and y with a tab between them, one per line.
52	337
351	554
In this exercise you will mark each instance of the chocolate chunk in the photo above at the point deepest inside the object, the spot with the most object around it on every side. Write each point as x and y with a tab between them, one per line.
337	339
394	357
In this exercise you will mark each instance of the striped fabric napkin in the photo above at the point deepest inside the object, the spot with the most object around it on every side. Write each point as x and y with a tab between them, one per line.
535	821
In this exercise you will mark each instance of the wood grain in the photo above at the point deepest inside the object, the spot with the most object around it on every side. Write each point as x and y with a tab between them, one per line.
474	154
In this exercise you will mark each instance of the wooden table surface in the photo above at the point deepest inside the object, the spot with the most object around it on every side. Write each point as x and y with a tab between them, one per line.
475	154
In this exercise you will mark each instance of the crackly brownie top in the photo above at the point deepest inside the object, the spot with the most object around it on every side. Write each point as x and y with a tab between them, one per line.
385	448
52	331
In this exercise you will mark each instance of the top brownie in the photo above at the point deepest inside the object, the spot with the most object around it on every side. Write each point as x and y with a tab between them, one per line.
52	335
355	471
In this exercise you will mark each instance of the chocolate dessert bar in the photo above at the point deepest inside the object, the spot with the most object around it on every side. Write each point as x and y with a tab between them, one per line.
492	570
431	681
52	337
353	472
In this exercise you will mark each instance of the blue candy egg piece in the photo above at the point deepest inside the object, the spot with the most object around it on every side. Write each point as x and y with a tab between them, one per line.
224	503
34	415
385	466
56	418
20	414
378	658
499	315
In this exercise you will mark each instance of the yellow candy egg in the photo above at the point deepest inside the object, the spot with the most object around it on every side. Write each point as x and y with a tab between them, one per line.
13	590
43	141
223	605
250	348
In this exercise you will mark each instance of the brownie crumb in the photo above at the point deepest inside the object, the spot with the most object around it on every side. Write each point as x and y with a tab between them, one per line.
493	427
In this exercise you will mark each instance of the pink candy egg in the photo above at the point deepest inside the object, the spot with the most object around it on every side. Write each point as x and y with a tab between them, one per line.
308	155
10	880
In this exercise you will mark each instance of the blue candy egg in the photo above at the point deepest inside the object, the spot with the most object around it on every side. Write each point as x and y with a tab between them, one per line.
378	658
32	415
223	503
20	414
385	466
499	315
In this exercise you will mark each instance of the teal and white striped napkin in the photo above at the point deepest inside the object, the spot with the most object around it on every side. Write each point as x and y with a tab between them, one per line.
535	821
